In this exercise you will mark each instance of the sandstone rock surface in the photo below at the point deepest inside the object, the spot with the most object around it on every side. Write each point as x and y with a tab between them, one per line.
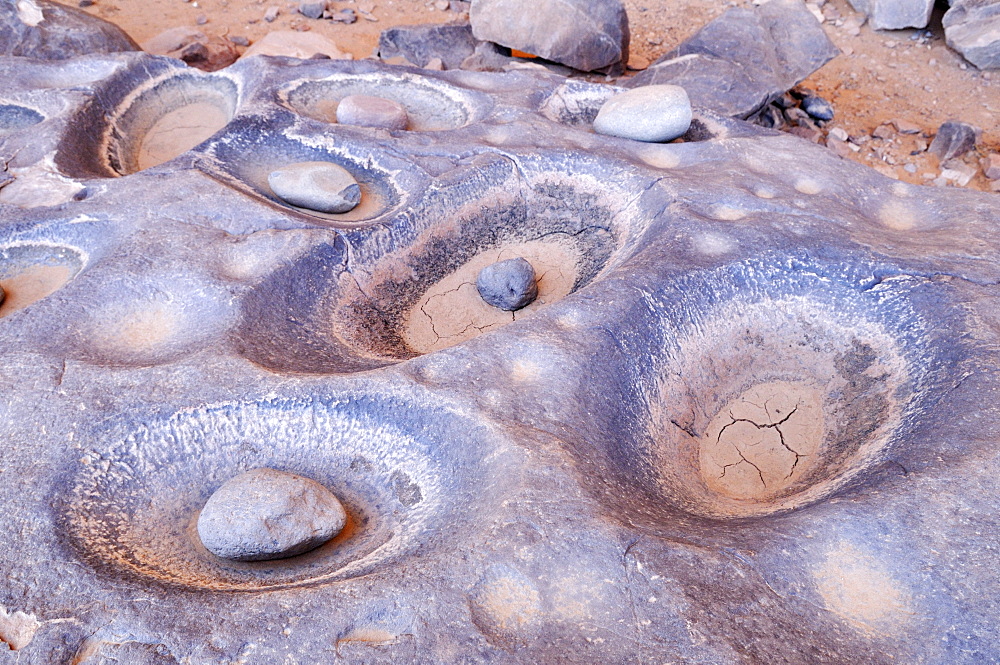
895	14
43	29
972	27
745	58
584	34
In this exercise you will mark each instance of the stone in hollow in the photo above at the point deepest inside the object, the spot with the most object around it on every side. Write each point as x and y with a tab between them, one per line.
652	113
267	514
508	285
319	186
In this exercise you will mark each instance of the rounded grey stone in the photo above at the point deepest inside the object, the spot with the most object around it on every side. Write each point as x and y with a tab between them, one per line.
652	113
368	111
266	514
508	285
319	186
818	107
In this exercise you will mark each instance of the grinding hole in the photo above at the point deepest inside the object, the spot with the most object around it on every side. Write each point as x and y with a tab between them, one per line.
428	300
138	503
453	310
168	119
132	127
29	273
430	105
762	441
14	118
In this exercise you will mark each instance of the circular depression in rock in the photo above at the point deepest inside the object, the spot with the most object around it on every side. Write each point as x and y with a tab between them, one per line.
14	118
778	392
136	123
32	271
167	117
431	105
252	148
425	298
403	472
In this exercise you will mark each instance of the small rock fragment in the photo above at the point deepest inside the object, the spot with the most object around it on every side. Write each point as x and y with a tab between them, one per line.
435	64
312	8
265	514
208	53
839	134
841	148
320	186
817	107
906	127
487	57
991	166
653	113
271	14
637	63
345	16
771	117
508	285
422	43
799	117
369	111
239	41
954	139
959	172
883	132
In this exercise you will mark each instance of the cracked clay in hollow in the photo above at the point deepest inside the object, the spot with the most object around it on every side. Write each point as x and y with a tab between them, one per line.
763	441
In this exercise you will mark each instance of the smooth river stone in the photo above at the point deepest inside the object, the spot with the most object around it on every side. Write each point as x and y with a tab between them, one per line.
319	186
267	514
652	113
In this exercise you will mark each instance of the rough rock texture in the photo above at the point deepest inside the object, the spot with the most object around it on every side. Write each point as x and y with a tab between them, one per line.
648	113
751	417
585	34
745	58
320	186
895	14
509	285
953	139
972	27
369	111
266	514
420	44
43	29
193	47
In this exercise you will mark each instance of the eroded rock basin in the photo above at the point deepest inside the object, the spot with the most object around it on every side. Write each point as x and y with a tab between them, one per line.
747	419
